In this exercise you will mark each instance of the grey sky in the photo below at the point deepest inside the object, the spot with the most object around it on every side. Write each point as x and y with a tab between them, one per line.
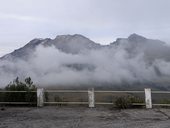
100	20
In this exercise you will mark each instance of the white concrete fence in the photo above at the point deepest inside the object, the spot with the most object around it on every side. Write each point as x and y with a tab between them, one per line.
91	97
148	98
40	97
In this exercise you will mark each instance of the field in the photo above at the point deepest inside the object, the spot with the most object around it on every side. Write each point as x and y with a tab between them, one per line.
83	117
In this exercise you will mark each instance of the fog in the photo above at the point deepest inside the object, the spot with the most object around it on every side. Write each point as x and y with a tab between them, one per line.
113	65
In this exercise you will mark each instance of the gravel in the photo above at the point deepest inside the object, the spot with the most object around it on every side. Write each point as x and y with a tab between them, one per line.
83	117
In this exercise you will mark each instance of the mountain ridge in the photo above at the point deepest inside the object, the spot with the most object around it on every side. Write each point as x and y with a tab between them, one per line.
72	44
77	60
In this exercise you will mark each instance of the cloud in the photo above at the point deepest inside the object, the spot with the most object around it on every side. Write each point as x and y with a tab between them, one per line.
13	16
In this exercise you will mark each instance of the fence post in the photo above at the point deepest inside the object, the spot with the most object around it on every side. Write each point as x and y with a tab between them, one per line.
91	98
148	98
40	97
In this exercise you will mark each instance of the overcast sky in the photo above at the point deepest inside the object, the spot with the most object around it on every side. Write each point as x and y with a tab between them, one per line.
100	20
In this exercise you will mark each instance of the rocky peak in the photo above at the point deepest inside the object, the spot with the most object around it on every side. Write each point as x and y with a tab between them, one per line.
136	38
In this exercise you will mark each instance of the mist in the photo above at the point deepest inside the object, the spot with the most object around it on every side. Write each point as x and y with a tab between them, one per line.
113	65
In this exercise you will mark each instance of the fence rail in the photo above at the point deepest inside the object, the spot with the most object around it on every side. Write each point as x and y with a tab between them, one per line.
91	97
68	91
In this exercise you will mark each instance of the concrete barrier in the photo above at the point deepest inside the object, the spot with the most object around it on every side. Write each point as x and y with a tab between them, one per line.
148	98
40	97
91	98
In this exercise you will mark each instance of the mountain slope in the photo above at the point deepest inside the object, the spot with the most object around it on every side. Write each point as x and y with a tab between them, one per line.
73	43
26	51
152	49
66	43
71	60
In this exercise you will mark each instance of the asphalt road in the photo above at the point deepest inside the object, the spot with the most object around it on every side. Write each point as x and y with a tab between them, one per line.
83	117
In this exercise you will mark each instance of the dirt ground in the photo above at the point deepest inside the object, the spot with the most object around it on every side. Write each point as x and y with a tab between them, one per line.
83	117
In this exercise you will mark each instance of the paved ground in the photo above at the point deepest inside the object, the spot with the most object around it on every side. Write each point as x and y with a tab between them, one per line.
82	117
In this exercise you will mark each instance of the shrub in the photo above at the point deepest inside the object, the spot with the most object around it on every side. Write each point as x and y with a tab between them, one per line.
126	101
122	103
17	85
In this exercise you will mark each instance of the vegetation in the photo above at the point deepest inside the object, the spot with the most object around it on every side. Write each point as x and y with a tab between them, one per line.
125	102
17	85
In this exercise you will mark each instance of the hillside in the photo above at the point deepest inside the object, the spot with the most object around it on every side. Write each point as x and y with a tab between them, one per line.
75	60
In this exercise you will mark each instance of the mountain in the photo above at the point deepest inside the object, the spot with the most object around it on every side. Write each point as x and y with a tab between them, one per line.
152	49
24	52
76	60
73	44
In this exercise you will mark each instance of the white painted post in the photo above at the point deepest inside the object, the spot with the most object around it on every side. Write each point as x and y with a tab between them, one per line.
91	98
148	98
40	97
